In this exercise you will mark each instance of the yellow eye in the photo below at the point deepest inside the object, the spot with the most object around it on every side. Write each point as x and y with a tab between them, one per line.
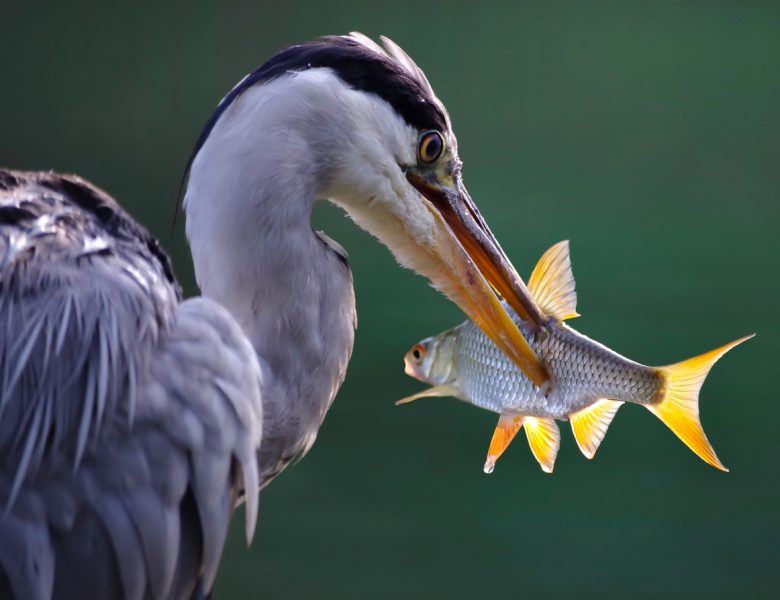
431	147
418	352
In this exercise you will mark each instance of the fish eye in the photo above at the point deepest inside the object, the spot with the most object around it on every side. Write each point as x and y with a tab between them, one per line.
430	147
418	352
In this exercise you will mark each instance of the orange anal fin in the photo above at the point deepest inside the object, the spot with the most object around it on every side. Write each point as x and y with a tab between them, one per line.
507	428
590	424
544	440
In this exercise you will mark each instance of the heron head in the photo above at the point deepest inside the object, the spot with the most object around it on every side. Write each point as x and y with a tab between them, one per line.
400	178
363	122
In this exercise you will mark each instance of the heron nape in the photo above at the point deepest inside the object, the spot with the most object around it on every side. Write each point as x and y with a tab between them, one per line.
132	421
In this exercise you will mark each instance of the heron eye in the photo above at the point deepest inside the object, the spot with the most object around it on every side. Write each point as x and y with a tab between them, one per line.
431	146
418	352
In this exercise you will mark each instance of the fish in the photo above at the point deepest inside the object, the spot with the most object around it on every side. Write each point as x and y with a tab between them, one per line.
588	381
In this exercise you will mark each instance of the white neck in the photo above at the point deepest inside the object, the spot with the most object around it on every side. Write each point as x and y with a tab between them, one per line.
248	204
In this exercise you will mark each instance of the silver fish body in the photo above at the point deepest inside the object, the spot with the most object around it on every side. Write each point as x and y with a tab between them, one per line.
581	372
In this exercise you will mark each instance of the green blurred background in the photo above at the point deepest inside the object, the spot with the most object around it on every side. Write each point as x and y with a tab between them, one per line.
646	133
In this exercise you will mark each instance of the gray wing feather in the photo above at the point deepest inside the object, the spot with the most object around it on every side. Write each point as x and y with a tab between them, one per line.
125	544
27	555
129	421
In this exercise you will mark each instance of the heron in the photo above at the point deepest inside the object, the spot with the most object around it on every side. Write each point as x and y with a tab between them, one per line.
133	421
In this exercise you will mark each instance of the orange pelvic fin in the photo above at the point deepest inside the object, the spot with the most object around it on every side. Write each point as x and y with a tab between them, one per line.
590	424
552	283
507	428
679	404
544	440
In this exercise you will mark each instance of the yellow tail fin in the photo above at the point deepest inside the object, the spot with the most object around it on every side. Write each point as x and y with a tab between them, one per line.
679	405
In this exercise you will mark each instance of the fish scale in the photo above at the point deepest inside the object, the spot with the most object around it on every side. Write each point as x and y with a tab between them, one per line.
581	371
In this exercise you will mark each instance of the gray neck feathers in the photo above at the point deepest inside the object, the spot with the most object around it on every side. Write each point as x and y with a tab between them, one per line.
248	203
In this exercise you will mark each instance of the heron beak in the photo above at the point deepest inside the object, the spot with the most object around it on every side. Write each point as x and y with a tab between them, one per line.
472	262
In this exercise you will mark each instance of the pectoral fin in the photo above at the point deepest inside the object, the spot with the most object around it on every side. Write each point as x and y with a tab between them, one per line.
552	283
544	440
590	424
507	428
438	390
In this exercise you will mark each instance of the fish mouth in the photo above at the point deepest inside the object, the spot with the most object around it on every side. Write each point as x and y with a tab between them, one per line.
474	267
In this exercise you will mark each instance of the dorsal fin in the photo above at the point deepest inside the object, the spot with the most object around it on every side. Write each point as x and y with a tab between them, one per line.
552	283
590	424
